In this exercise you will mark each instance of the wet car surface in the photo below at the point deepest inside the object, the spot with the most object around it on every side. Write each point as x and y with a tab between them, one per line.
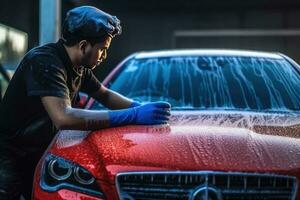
234	133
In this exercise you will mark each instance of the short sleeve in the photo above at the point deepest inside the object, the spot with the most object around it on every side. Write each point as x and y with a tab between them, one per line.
90	82
44	76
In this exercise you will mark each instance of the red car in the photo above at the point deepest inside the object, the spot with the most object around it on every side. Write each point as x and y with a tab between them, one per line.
233	135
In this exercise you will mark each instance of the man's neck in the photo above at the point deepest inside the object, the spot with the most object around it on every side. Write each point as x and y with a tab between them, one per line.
71	51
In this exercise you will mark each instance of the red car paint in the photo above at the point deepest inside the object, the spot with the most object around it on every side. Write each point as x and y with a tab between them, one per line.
192	141
175	146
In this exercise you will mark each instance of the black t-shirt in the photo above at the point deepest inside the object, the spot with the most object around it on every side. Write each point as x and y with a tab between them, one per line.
44	71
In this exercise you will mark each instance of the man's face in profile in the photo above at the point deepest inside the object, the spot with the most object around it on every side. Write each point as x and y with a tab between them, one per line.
94	55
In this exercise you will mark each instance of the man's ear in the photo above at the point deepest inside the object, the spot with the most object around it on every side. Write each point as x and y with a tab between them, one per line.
82	46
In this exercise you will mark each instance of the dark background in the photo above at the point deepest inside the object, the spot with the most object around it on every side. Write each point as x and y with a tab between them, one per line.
153	24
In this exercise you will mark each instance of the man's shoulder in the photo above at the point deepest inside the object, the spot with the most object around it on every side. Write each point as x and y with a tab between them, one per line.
40	59
46	53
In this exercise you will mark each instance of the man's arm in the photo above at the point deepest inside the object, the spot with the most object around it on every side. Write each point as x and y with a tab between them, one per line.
111	99
64	116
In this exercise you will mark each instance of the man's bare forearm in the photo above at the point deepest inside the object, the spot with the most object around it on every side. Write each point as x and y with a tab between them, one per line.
96	124
118	101
85	119
64	116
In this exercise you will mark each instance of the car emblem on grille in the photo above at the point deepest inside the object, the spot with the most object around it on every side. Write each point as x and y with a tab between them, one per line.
206	193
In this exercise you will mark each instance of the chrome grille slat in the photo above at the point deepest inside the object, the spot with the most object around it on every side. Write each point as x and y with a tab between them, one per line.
181	185
249	192
129	189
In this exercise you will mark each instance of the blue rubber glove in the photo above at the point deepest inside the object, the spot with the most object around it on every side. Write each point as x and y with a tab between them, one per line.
153	113
146	114
134	104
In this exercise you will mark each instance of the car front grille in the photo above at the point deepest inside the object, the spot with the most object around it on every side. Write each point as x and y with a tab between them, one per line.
205	186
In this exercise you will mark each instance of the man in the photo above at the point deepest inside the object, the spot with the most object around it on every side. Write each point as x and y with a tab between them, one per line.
44	88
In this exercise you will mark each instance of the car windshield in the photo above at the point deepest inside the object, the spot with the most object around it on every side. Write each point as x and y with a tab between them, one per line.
212	82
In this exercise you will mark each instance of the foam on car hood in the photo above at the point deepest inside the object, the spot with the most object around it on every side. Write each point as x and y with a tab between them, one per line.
254	143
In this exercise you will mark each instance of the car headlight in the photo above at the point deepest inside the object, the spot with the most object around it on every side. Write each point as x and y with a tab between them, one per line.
83	176
59	173
59	170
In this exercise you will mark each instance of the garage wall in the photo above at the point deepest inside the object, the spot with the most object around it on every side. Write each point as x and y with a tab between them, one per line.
151	25
22	15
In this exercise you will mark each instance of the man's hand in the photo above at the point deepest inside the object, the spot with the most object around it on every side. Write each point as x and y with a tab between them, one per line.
146	114
153	113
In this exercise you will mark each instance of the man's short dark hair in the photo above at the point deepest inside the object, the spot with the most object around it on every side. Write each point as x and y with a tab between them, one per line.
74	40
89	23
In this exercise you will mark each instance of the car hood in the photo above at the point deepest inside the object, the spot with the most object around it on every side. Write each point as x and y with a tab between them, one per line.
250	142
